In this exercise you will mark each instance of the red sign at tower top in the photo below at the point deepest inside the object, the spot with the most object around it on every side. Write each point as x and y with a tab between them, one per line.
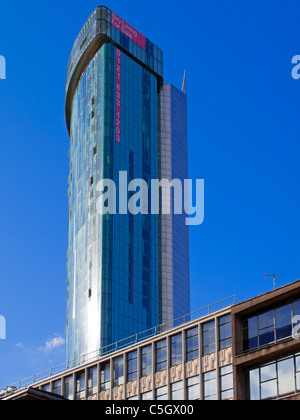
128	30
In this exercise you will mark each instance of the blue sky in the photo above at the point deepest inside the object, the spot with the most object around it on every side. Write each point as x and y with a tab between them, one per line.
244	110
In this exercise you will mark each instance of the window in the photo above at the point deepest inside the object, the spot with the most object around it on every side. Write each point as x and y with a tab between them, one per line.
193	388
250	334
192	344
209	340
92	381
177	391
161	355
57	387
276	379
162	393
105	376
69	387
147	396
46	387
176	349
225	332
118	371
266	328
297	366
80	385
269	327
283	317
268	381
226	382
286	376
210	385
132	366
146	360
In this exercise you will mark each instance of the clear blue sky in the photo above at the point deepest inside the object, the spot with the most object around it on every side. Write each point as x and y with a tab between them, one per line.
244	120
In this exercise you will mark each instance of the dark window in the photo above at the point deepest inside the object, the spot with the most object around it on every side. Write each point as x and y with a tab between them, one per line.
266	328
250	334
283	318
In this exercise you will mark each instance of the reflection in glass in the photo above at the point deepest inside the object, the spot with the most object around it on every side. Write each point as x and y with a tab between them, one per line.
192	344
176	349
193	388
132	366
147	360
118	371
286	379
209	338
250	334
268	372
269	389
283	322
210	385
161	355
105	376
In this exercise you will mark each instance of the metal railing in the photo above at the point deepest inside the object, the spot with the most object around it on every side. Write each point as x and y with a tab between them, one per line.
119	345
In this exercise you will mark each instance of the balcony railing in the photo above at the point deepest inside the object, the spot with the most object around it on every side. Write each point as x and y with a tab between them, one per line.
119	345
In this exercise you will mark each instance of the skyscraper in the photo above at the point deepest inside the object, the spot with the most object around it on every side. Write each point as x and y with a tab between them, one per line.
126	273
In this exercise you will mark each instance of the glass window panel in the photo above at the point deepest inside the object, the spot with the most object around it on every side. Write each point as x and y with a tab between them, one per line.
250	334
254	388
147	360
105	376
227	395
209	337
69	387
192	344
225	319
283	318
161	355
92	381
162	393
210	385
266	320
46	387
266	336
225	331
147	396
297	363
227	382
177	391
286	378
80	385
118	371
268	372
269	389
298	381
132	366
296	308
176	349
193	388
57	387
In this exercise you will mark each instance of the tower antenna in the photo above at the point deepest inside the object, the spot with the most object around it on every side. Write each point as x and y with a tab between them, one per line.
274	277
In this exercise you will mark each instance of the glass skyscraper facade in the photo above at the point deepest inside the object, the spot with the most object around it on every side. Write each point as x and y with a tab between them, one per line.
116	262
